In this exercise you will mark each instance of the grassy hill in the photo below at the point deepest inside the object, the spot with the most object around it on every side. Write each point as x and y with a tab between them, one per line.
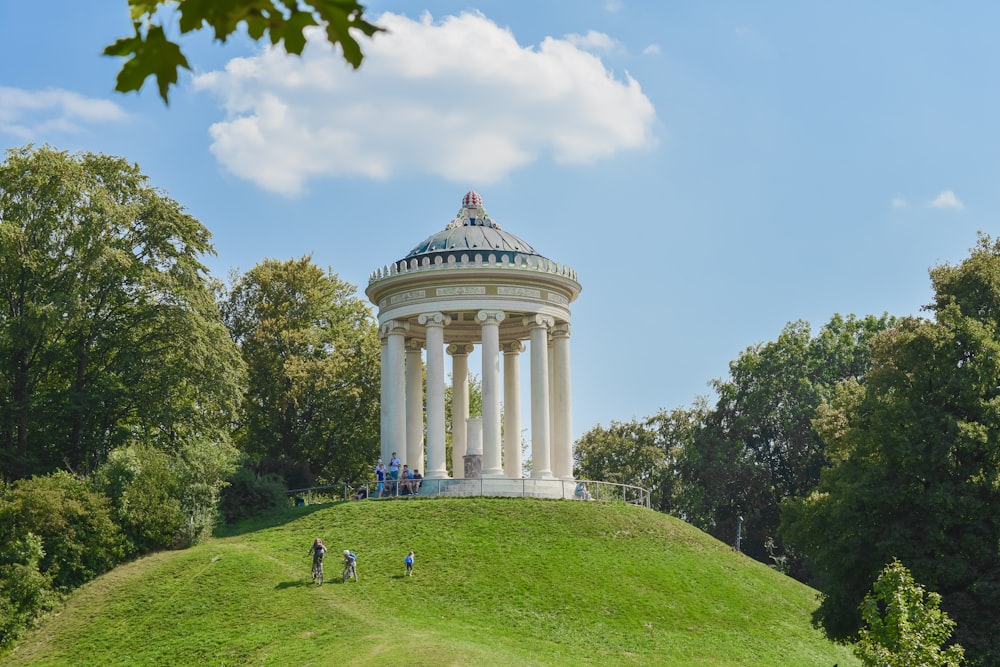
496	582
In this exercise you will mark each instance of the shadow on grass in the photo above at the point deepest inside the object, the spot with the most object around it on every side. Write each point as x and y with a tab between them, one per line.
294	584
271	519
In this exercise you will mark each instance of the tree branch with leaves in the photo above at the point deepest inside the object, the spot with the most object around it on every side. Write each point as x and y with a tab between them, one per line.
150	52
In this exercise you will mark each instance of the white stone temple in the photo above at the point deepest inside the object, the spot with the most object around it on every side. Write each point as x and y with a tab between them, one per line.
475	284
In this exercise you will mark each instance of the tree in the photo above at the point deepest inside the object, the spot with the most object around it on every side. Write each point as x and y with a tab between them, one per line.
79	540
905	625
313	354
24	591
757	446
150	53
109	332
639	453
915	450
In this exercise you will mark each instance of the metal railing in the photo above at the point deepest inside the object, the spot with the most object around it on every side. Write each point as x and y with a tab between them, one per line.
607	492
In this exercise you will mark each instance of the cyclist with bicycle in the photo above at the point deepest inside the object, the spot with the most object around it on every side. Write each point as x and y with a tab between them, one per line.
350	565
317	550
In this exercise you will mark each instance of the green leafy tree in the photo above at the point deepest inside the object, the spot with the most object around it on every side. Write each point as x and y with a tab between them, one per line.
109	331
905	625
312	350
915	450
757	445
78	536
24	591
639	453
149	51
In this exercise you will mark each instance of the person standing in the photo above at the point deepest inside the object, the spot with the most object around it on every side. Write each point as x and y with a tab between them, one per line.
394	464
409	564
380	477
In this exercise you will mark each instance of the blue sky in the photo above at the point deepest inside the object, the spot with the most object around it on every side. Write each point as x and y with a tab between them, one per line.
711	170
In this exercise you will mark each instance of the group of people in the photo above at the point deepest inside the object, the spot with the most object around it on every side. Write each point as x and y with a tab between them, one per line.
396	479
318	552
391	480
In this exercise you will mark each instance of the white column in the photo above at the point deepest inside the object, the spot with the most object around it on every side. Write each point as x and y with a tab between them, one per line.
540	455
383	394
490	320
512	409
436	464
562	405
395	388
552	424
413	455
459	405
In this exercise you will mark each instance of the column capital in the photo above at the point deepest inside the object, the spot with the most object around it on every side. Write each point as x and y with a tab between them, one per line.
433	319
561	330
394	328
538	320
491	316
414	344
512	347
459	349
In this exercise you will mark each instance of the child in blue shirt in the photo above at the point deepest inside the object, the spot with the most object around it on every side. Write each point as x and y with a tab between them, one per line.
409	564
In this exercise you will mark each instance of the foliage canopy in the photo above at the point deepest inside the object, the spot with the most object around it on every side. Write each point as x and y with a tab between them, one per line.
109	331
905	625
312	349
149	52
916	471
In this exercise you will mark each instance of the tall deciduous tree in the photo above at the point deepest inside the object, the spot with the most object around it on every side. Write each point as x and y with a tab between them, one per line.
916	450
757	445
312	350
109	332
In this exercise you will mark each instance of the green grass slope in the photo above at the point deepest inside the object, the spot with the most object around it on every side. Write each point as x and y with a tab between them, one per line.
496	582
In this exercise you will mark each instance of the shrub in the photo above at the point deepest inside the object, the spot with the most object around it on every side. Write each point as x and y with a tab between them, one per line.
24	590
79	538
905	625
249	494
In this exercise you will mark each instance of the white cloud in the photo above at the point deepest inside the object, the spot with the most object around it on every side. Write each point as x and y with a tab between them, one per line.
29	114
947	199
594	41
459	98
899	202
613	6
652	50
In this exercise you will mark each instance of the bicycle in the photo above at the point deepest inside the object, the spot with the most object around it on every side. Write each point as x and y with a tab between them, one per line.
350	571
318	572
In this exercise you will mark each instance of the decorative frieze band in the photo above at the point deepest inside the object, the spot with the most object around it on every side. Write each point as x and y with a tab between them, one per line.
519	291
403	297
461	291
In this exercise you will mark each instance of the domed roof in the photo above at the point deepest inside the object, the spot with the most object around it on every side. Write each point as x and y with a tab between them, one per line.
472	231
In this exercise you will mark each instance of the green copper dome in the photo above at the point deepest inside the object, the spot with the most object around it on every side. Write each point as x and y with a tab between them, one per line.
472	231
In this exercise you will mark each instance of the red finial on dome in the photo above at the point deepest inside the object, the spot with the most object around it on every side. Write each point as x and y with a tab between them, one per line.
472	199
